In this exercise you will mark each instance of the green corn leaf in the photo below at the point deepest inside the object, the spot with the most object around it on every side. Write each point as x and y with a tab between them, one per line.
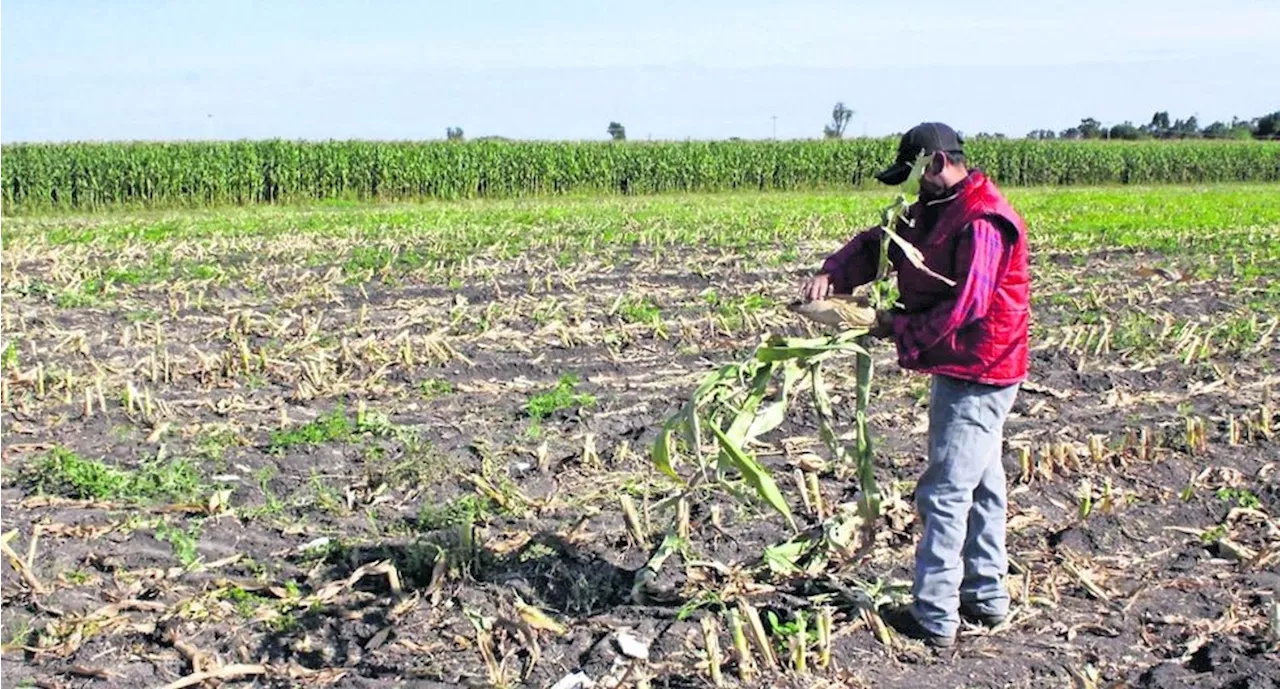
869	502
724	376
911	185
754	474
822	405
784	558
774	413
802	342
746	414
817	352
693	433
662	453
769	417
862	368
889	217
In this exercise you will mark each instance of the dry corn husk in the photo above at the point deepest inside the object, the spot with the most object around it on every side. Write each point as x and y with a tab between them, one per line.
838	310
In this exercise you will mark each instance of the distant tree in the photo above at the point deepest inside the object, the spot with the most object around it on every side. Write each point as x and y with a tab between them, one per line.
1242	129
1267	126
453	133
1238	129
1217	130
1090	128
1159	126
839	120
1126	130
1185	129
617	132
1071	133
1041	134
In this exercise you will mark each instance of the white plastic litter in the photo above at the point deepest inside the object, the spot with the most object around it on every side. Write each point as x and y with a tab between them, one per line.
631	645
574	680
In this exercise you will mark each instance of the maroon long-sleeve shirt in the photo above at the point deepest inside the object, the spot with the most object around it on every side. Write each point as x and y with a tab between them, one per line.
979	255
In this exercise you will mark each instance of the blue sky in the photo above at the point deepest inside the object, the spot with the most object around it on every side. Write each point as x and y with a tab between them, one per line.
79	70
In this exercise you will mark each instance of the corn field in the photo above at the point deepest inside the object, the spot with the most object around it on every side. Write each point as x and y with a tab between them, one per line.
88	176
416	443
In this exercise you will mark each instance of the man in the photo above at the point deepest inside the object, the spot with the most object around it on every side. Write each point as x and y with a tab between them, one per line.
972	339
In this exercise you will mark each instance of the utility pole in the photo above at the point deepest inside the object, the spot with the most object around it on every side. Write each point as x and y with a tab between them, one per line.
775	127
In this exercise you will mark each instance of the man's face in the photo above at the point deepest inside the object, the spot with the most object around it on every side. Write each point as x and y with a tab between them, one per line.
931	184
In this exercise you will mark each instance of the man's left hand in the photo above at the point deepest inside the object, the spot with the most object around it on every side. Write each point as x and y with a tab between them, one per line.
883	327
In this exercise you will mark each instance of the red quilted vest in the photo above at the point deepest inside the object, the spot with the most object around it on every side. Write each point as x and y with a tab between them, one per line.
992	350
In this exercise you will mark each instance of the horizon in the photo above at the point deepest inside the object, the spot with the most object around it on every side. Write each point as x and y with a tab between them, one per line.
76	71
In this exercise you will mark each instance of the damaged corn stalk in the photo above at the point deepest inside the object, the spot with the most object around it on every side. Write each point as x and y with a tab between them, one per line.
737	404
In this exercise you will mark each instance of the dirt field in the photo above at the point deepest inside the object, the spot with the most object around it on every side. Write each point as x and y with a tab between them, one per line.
360	446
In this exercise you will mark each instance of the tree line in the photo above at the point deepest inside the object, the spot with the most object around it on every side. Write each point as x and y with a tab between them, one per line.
1162	127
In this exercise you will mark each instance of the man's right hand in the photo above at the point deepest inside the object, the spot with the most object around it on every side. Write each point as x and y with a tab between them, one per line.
816	288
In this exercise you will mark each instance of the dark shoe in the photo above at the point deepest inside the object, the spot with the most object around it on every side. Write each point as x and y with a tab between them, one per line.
988	620
907	625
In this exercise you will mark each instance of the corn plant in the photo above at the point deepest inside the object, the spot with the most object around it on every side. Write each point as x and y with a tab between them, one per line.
743	401
88	176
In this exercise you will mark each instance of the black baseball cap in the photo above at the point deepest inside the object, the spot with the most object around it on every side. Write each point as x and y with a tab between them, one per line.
927	136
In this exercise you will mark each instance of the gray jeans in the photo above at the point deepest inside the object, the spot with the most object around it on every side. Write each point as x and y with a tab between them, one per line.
961	502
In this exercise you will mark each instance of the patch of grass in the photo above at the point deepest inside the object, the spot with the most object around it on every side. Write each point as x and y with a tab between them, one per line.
1213	535
271	504
280	617
376	423
1242	497
76	299
183	542
9	358
64	472
564	396
246	602
366	259
420	464
17	633
435	388
204	271
334	426
536	551
326	497
212	445
283	622
131	276
639	310
77	577
451	514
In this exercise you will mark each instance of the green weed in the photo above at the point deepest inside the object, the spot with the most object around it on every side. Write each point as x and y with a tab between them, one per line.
183	542
451	514
64	472
9	358
17	632
1242	497
435	388
562	397
639	310
334	426
326	497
